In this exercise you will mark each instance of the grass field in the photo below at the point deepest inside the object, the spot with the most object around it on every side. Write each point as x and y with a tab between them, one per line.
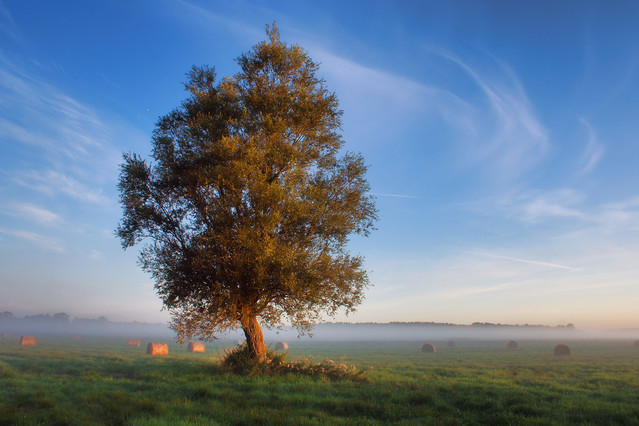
106	382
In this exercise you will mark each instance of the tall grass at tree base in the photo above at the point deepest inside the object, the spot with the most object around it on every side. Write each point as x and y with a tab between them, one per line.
237	360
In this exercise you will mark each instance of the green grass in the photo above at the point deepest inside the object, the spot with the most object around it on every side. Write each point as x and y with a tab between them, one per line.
106	382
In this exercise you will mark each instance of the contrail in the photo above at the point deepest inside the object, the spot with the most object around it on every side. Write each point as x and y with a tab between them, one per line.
531	262
395	195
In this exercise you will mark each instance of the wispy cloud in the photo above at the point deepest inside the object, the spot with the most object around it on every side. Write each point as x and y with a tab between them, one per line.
54	183
593	151
535	207
8	25
497	130
37	114
514	140
37	239
208	17
618	217
34	213
69	144
528	261
471	291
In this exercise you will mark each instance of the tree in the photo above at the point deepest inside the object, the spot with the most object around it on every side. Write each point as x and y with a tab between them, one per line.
248	203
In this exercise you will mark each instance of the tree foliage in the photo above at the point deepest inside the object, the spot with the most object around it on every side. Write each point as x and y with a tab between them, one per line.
248	202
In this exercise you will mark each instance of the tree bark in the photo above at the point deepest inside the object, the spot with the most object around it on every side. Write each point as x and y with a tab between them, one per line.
254	336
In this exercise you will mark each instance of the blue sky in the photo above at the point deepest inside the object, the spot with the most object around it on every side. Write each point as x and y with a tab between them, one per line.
501	139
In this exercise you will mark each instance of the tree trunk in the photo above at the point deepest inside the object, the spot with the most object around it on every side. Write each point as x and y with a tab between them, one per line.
254	336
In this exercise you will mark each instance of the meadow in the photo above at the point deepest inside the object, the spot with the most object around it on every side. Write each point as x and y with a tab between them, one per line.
103	381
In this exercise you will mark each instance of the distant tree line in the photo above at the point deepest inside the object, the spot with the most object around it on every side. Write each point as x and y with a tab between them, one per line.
63	324
448	324
59	318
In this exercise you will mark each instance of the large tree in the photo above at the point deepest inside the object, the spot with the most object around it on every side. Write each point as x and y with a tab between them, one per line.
248	202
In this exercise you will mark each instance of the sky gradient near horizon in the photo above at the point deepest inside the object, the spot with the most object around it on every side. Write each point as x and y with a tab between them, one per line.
501	139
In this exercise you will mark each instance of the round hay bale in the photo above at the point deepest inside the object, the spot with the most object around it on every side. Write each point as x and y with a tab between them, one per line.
154	348
561	349
512	344
450	344
77	337
429	348
133	342
5	335
28	341
195	347
636	344
281	346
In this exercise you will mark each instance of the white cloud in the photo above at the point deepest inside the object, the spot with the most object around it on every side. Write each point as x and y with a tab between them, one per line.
37	214
37	239
95	255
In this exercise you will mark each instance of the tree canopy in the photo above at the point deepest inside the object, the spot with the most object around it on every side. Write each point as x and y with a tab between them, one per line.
247	204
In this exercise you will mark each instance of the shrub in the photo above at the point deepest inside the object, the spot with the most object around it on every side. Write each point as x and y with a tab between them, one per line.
237	360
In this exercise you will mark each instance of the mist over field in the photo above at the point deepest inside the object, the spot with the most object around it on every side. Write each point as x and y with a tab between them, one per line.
61	324
443	332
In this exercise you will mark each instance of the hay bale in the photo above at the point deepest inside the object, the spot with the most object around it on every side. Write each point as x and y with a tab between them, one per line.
133	342
281	346
195	347
561	349
28	341
636	344
5	335
77	337
429	348
512	344
154	348
450	344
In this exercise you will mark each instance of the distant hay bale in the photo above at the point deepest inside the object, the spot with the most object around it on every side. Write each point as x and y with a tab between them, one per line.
5	335
636	344
450	344
561	349
133	342
195	347
512	344
28	341
429	348
157	348
77	337
281	346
